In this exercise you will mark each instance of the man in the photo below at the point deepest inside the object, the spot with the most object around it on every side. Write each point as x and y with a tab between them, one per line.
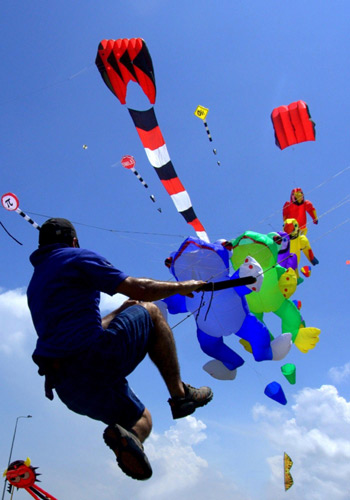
86	358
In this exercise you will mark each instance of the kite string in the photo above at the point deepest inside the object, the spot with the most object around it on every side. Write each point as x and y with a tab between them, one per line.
337	205
114	230
334	207
54	84
332	229
329	179
310	191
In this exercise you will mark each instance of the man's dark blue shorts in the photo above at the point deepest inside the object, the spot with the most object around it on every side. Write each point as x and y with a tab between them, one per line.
94	384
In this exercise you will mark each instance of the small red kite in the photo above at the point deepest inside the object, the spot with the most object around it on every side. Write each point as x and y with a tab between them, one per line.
292	124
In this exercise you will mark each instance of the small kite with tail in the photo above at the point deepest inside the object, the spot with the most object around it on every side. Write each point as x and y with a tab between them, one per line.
20	474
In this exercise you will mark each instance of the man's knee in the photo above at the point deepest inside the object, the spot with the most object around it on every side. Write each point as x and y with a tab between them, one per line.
153	310
147	419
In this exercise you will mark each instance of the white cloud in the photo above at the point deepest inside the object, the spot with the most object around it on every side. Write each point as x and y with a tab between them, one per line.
188	431
16	327
17	333
316	435
109	303
178	471
314	431
339	374
176	462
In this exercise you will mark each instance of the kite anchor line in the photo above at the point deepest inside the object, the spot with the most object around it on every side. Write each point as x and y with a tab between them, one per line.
323	183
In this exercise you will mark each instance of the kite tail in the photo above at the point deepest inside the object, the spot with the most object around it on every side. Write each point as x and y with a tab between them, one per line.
152	139
39	493
28	219
4	228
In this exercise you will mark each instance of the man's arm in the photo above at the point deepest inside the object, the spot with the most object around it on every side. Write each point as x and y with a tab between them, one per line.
149	290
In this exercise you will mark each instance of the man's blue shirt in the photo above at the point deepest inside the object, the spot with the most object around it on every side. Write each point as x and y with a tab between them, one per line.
64	297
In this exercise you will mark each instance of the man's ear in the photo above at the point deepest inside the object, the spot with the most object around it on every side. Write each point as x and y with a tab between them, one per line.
75	243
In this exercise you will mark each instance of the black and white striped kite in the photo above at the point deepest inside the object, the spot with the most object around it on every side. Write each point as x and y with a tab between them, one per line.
119	62
10	202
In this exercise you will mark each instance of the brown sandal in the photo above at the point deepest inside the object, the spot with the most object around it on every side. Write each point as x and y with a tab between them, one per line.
129	452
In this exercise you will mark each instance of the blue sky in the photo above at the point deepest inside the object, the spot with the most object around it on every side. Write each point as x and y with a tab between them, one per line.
240	60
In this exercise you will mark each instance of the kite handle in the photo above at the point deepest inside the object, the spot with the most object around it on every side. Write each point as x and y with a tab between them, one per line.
222	285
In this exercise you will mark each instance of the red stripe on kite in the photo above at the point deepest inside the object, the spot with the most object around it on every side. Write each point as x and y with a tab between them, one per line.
197	226
151	139
173	186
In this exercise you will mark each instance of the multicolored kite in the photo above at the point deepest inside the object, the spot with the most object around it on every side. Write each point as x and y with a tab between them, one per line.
299	243
272	296
226	313
123	60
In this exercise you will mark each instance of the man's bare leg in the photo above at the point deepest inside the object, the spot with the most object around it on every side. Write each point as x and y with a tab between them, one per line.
162	351
143	426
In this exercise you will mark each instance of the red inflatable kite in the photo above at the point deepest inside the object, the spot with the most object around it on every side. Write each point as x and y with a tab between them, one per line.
21	474
292	124
120	61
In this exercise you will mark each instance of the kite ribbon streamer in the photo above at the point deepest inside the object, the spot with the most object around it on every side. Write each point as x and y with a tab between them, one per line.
152	139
